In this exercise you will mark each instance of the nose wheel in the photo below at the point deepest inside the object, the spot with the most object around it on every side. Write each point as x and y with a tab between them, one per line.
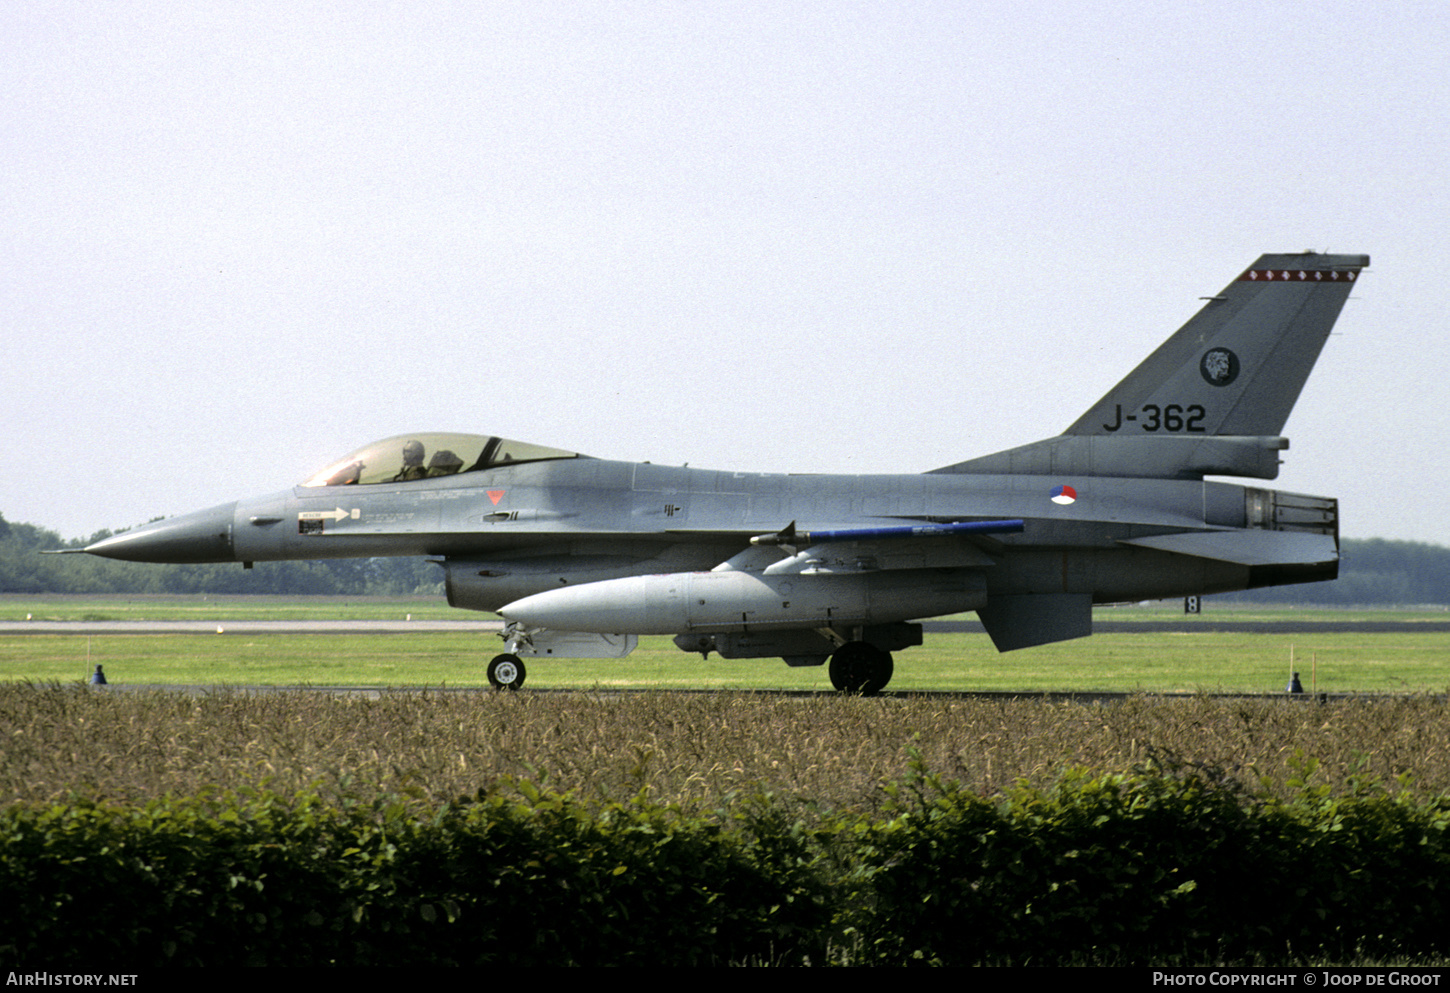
860	667
506	672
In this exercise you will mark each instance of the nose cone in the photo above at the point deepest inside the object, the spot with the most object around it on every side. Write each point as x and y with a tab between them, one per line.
203	536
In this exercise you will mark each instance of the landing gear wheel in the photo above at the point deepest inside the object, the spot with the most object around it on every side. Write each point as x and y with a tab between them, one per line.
506	672
860	667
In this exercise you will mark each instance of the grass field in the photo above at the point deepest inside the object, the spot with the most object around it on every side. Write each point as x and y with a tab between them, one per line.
697	749
1151	661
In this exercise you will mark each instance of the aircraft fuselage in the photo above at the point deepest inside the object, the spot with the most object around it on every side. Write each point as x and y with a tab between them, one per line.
584	519
569	548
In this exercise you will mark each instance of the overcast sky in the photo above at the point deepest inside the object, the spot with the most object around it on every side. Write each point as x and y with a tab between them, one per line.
242	239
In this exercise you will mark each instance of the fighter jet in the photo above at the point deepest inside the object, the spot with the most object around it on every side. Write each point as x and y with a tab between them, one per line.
581	555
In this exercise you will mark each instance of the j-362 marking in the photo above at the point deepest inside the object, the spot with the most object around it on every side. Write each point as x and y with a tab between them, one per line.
1173	418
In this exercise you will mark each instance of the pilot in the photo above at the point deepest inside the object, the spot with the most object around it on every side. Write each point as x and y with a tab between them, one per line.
412	463
444	463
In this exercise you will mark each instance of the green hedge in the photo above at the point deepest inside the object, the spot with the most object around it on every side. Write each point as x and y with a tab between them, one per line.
1149	867
1159	868
259	881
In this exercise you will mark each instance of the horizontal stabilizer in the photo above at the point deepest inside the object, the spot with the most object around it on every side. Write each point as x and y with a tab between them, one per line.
1251	548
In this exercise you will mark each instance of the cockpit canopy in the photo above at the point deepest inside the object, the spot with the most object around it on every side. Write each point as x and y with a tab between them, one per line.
408	457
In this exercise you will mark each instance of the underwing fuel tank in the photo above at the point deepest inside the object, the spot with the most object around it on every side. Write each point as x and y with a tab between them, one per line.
676	603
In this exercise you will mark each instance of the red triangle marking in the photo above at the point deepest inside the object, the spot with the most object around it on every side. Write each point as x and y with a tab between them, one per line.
496	496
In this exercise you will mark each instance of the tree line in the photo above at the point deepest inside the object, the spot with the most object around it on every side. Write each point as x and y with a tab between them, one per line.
1373	571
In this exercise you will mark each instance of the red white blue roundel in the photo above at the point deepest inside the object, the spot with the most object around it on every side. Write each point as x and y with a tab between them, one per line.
1063	495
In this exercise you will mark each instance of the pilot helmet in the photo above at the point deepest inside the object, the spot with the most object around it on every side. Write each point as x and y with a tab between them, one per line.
445	460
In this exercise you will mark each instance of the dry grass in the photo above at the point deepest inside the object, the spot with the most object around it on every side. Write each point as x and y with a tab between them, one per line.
694	749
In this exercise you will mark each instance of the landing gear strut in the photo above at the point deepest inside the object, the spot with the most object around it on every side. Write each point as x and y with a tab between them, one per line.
506	672
860	667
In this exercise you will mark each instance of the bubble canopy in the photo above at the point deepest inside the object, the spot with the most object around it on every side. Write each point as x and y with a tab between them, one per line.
409	457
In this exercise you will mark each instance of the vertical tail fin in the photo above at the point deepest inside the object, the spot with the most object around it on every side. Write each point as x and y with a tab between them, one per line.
1238	366
1213	398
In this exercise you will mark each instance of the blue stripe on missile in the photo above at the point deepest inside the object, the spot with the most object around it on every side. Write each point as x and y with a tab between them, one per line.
912	531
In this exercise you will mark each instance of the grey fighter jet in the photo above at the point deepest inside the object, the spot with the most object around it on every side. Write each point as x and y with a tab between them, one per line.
582	555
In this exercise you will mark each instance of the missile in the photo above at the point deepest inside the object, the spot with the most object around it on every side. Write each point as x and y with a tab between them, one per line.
680	602
789	536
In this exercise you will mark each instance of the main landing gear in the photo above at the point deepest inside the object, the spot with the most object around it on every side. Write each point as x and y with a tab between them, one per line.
506	672
860	667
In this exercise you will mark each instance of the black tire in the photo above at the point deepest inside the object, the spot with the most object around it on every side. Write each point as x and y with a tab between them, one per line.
860	667
506	672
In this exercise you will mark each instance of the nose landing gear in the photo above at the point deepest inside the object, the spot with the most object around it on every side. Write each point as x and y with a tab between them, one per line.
506	672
